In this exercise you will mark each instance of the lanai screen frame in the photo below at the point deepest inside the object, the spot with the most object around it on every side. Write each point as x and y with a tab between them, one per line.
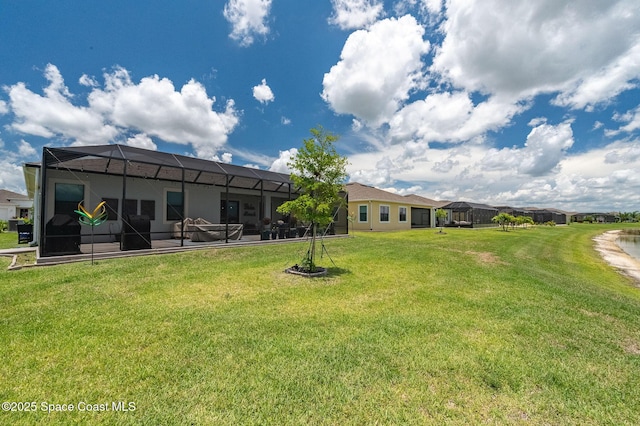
126	161
481	214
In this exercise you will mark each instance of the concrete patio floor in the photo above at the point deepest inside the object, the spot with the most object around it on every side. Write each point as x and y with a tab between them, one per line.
112	250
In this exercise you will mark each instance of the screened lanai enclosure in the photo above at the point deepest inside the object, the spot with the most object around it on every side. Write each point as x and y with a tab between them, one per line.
472	215
151	196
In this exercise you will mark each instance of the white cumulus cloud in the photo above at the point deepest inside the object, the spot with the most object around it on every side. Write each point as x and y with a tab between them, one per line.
451	117
54	115
433	123
248	18
581	49
355	14
545	147
152	107
378	69
262	92
142	140
280	165
26	150
85	80
11	176
632	120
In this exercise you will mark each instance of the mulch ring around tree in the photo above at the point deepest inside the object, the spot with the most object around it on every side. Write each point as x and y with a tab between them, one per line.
304	272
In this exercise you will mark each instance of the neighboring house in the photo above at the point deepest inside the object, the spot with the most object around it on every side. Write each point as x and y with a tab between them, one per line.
538	215
471	215
14	205
595	217
161	188
420	216
515	211
549	215
374	209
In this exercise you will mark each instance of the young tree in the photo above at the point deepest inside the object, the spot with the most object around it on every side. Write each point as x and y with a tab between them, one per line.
524	221
503	219
441	215
319	171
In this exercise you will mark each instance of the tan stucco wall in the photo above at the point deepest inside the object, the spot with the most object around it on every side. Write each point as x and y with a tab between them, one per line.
373	223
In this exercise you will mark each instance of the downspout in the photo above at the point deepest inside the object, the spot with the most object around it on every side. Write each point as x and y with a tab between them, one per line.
370	216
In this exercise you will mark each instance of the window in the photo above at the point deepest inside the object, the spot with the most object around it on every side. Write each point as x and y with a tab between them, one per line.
459	216
233	211
384	213
112	208
148	208
67	197
175	205
129	207
402	214
363	213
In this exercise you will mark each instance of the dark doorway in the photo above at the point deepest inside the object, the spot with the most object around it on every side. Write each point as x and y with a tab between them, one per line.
420	218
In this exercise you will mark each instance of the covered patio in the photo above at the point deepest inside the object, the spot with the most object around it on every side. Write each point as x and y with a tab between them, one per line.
156	189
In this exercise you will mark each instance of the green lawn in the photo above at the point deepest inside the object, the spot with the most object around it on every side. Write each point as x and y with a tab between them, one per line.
470	327
9	240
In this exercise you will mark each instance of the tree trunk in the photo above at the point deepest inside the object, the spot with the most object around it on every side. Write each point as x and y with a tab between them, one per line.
312	266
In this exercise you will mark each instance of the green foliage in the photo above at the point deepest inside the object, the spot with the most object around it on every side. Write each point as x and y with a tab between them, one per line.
441	215
4	225
504	220
524	221
319	171
630	216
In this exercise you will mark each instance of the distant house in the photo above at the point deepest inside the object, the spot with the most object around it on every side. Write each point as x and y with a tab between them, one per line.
374	209
419	215
594	217
549	215
472	215
515	211
14	205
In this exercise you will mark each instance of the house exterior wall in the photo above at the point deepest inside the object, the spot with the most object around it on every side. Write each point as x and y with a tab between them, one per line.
202	201
7	211
12	209
373	222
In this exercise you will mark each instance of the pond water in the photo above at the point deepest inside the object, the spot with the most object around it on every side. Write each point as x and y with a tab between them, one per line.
630	244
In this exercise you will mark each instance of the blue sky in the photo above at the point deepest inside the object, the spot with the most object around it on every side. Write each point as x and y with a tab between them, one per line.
500	101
